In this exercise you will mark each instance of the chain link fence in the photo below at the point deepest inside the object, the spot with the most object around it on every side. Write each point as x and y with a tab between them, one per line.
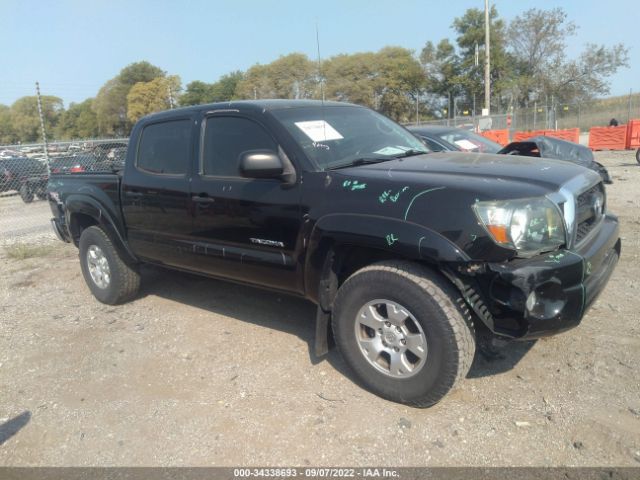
546	116
472	122
24	173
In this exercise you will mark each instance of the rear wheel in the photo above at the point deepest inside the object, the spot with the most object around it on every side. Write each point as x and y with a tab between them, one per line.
25	193
638	155
108	277
404	331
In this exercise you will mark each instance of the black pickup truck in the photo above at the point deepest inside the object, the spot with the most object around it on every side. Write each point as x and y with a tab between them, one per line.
407	253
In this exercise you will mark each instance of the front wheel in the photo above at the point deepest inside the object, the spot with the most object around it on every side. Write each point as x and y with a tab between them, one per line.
405	332
108	277
638	155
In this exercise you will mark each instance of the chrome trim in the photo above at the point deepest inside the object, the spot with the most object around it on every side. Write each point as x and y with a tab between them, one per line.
566	198
56	229
222	110
592	232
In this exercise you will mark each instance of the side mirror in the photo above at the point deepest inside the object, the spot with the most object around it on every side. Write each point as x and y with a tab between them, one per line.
261	164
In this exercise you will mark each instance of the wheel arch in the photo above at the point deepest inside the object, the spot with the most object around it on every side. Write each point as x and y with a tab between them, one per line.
340	244
82	212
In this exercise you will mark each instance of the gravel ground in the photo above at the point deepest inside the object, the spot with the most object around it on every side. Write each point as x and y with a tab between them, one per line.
23	222
201	372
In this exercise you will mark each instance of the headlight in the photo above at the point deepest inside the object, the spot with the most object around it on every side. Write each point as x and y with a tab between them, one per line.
530	225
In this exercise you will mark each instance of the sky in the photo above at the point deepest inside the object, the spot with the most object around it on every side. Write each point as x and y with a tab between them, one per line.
72	47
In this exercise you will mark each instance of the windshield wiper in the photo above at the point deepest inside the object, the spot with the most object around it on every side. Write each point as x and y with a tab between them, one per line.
410	153
357	162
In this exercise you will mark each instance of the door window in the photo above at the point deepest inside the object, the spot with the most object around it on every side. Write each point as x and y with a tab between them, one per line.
226	138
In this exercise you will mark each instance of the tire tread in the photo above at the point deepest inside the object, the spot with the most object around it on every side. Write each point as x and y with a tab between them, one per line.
127	281
450	301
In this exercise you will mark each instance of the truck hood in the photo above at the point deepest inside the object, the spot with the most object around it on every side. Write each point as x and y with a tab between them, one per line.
496	175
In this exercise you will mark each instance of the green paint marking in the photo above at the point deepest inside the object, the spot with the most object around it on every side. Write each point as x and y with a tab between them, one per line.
406	213
391	239
354	185
386	195
555	258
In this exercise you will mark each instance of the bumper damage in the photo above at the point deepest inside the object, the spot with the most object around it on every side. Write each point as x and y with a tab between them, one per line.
551	293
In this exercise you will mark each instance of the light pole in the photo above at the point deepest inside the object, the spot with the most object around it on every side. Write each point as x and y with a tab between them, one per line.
487	62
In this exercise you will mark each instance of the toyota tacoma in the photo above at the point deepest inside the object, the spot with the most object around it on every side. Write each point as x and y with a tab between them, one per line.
406	253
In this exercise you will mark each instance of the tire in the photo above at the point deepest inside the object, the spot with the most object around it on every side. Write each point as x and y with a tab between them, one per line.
25	193
638	155
108	277
434	311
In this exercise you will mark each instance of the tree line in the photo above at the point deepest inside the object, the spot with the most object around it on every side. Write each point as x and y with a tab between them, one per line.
528	64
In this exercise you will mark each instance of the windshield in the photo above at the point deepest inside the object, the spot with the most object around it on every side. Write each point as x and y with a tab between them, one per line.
337	136
469	141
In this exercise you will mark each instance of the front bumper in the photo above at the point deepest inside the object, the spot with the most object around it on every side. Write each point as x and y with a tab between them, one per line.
535	297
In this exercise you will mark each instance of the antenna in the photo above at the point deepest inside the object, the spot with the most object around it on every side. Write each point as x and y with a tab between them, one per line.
324	123
319	63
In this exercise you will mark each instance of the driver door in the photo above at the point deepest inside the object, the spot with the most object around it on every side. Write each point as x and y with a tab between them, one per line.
244	228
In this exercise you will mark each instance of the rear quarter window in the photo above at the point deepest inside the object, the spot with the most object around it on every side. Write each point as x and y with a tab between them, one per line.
165	147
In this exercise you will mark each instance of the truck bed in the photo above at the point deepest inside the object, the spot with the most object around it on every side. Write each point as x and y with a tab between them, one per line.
99	189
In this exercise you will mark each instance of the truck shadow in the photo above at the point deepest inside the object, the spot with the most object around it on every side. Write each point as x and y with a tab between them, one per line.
490	361
288	314
265	308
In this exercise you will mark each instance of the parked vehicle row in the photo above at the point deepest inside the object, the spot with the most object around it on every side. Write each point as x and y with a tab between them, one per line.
28	175
25	175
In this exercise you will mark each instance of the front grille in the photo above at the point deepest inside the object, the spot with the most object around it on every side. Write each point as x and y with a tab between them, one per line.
590	206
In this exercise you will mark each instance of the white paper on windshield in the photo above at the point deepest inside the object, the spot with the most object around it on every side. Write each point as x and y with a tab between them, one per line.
466	144
390	150
319	130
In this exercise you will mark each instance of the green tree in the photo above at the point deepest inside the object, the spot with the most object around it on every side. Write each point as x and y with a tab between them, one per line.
198	93
153	96
7	135
111	102
443	75
352	78
400	80
224	89
471	33
588	75
25	120
537	40
290	76
388	80
78	121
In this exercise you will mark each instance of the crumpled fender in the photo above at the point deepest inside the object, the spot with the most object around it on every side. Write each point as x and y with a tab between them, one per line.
402	238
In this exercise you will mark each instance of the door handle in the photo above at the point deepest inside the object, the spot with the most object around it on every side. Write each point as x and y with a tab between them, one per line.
201	199
133	194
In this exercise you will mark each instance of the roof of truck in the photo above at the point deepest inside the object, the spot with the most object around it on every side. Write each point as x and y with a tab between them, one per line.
268	104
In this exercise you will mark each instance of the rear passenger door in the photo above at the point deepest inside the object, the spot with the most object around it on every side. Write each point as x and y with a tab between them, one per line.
244	228
156	193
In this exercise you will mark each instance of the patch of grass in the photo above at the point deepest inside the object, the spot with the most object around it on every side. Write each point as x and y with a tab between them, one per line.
23	251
